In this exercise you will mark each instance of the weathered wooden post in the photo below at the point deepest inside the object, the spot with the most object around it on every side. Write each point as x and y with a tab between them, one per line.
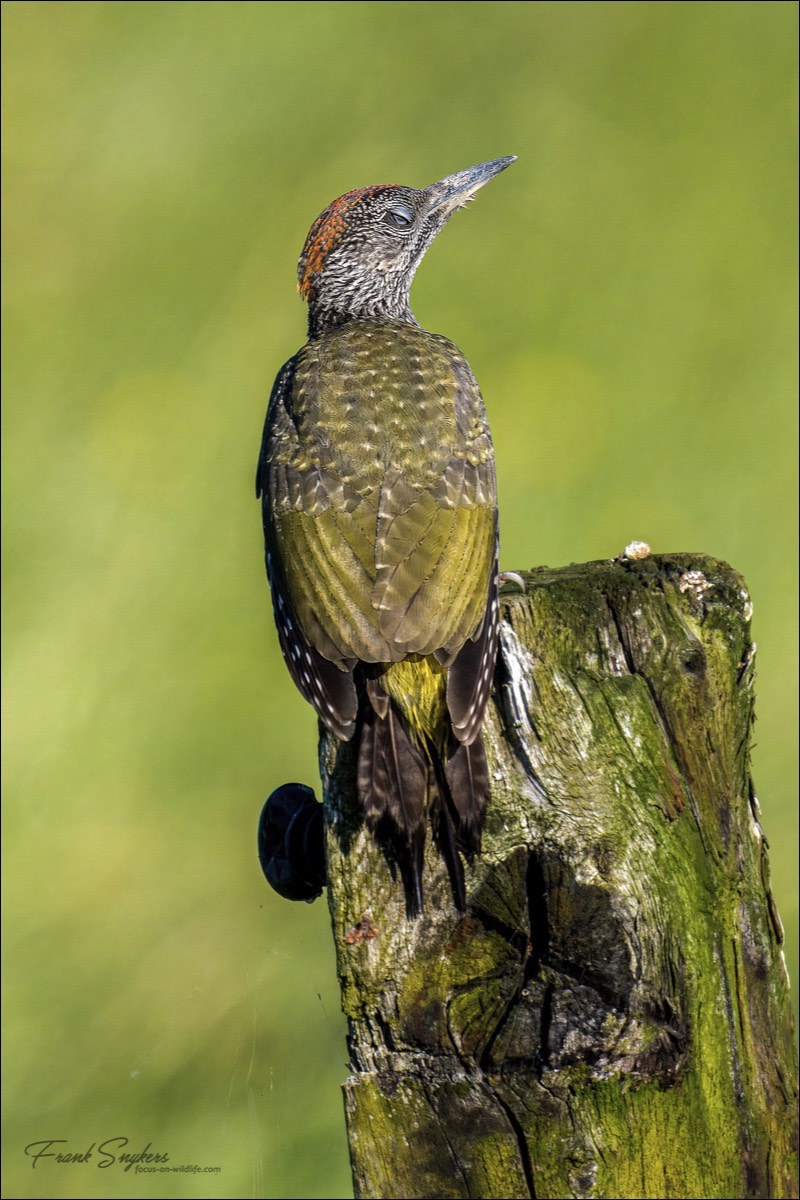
611	1017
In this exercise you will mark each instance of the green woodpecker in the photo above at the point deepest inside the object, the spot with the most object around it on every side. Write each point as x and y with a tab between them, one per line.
377	481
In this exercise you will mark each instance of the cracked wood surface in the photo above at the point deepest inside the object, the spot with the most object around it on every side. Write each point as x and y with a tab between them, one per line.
611	1016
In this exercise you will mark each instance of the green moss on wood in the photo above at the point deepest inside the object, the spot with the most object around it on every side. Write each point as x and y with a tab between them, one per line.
611	1016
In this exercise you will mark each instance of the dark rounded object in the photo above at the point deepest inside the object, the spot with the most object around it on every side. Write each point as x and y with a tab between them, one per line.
291	843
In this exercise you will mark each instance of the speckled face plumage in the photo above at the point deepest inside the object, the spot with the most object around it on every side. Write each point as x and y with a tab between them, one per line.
380	519
329	230
361	254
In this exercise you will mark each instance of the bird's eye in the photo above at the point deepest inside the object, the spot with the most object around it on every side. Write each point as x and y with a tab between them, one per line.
398	216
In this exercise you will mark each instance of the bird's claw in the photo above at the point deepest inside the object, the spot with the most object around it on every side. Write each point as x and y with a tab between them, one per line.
511	577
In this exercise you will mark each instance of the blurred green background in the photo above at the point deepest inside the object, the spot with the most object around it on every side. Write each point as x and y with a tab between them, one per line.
625	294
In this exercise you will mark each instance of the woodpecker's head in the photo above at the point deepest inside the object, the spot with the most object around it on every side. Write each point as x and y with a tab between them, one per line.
362	251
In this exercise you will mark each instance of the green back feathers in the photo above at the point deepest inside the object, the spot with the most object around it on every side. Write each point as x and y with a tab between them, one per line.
381	482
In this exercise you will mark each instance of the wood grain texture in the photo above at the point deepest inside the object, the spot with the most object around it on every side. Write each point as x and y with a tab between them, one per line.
611	1016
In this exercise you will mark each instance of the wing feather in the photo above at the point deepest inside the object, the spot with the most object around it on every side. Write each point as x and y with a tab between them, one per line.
380	515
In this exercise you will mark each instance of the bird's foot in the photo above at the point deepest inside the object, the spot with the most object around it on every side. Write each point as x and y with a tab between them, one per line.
511	577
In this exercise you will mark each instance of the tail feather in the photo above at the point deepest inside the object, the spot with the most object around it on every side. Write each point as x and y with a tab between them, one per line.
447	837
393	785
371	772
467	774
395	778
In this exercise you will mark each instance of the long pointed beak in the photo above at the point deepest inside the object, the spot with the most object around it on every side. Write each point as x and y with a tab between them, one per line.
456	190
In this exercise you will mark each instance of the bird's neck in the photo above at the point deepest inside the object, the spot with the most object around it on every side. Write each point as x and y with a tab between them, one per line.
321	323
326	313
